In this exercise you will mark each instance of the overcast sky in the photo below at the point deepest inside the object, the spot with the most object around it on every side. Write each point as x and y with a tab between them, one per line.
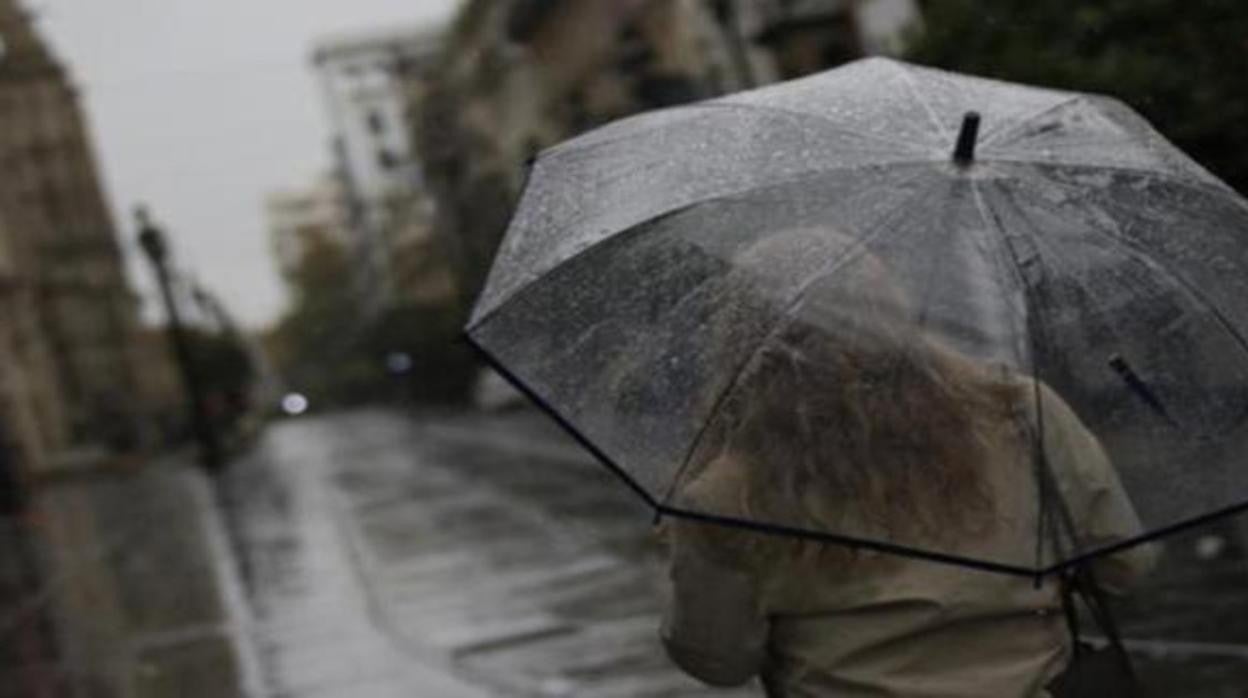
201	107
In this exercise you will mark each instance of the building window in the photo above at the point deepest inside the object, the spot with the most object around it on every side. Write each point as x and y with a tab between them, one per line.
526	18
376	122
665	90
387	160
50	198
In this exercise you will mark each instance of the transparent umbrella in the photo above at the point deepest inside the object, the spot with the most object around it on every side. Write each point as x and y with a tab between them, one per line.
876	286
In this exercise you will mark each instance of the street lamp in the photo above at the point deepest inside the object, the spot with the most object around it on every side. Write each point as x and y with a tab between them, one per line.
152	241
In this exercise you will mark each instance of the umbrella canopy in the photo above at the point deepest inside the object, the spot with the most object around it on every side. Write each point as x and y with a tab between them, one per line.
849	264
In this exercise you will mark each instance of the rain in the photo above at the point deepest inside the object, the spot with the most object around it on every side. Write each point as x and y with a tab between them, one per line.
485	348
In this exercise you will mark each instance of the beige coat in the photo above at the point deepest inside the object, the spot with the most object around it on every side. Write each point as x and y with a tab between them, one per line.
908	628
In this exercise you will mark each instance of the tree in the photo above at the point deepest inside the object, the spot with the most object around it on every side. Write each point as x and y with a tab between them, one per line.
327	349
424	358
315	344
1174	61
227	374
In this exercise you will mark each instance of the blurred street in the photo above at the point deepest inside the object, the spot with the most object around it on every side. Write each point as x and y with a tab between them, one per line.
237	457
458	555
488	554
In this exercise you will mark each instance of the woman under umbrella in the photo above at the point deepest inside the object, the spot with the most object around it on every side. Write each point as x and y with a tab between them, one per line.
864	425
698	296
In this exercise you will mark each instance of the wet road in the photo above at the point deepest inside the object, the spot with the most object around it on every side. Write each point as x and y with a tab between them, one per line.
387	556
472	555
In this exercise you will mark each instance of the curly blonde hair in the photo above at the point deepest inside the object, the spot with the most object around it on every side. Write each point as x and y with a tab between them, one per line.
857	425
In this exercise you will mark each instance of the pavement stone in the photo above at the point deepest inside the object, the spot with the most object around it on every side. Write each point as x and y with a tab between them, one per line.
317	630
123	590
490	549
483	546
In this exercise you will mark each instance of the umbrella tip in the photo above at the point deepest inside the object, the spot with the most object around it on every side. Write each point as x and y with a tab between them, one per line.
964	151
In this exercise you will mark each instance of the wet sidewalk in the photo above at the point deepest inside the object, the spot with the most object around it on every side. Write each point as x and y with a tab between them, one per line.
314	625
488	551
375	554
383	553
118	584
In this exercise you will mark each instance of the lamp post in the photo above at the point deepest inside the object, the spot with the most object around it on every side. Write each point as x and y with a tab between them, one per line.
152	241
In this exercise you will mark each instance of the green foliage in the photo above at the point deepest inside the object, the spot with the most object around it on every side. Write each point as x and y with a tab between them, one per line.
221	362
442	366
226	376
328	350
1174	61
313	345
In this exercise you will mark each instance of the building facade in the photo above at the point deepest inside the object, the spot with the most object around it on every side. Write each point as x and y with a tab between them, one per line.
33	423
298	219
799	37
521	75
368	81
71	290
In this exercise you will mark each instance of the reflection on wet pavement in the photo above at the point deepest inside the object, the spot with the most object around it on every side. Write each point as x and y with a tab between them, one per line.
384	554
313	624
1187	626
462	555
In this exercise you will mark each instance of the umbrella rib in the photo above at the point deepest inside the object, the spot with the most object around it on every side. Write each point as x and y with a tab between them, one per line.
532	278
1165	268
1160	266
941	132
567	425
794	302
1178	179
676	209
728	104
1100	314
851	541
1183	179
1150	536
1102	317
1124	141
994	137
563	422
1043	475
